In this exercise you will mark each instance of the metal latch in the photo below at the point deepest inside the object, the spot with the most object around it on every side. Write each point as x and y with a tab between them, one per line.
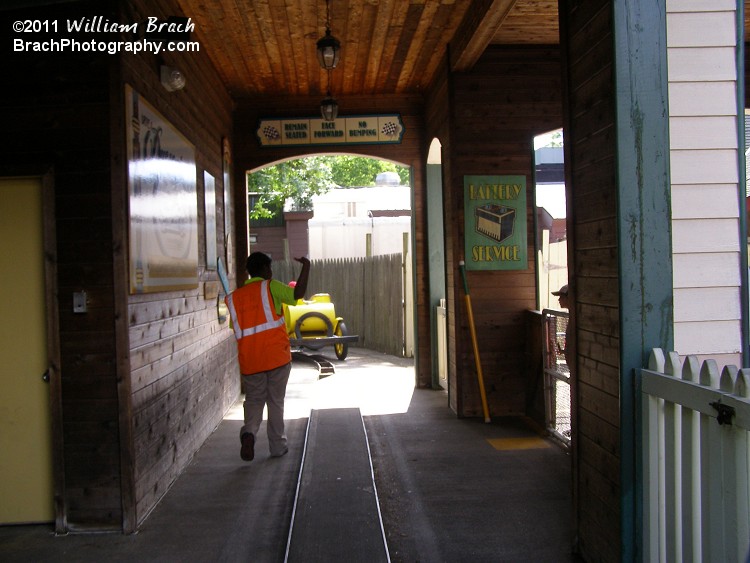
725	412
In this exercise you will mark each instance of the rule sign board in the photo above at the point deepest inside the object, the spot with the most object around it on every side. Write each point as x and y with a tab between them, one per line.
163	201
352	130
495	222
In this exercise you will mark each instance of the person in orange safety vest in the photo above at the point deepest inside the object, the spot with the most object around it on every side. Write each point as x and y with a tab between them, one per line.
263	348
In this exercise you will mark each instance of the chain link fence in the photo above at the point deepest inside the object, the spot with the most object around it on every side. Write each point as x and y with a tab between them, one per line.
556	375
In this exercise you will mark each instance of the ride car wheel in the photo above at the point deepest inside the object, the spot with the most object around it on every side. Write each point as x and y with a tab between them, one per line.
341	349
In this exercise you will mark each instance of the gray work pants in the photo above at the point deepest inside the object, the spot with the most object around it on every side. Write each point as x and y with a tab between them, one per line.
266	388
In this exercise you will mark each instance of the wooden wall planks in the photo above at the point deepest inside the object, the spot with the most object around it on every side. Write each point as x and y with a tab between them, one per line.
181	362
590	154
412	151
493	113
60	122
125	435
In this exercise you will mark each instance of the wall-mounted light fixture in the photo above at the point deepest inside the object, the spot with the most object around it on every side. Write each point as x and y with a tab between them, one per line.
328	47
171	78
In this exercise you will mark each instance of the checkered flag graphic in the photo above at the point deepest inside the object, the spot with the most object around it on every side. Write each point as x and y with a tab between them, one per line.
271	133
389	129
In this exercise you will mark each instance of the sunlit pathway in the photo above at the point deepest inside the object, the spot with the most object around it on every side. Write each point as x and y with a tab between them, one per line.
373	382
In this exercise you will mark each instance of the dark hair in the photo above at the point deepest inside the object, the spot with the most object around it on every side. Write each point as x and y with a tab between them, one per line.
256	262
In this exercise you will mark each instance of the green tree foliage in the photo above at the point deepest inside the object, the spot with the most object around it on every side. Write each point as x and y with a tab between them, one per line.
357	171
303	178
298	179
556	139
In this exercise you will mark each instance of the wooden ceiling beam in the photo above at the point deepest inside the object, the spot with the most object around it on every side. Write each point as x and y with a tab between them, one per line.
480	23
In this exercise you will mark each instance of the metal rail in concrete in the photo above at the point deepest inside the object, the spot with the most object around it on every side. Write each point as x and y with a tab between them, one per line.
336	515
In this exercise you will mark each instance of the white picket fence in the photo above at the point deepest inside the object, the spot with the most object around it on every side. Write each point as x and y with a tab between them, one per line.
695	424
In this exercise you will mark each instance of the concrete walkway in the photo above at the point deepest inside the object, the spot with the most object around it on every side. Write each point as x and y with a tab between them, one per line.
450	490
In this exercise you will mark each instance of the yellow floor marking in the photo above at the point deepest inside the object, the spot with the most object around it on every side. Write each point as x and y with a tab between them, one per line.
518	443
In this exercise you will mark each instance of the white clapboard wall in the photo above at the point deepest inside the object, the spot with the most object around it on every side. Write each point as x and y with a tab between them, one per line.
704	156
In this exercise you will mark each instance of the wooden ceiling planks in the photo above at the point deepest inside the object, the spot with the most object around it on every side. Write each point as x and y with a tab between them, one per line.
530	22
476	31
433	47
394	28
293	55
414	46
247	63
384	14
267	47
356	43
271	34
365	50
408	31
311	24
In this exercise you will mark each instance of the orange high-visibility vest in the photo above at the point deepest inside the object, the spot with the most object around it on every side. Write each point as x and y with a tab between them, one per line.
262	341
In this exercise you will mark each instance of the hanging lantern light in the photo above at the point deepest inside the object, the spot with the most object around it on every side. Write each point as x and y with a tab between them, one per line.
328	47
329	108
329	51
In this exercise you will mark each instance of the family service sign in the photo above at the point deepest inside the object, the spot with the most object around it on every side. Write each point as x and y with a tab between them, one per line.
495	222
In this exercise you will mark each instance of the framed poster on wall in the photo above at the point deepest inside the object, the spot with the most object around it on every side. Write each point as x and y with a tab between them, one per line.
209	189
228	207
163	201
495	222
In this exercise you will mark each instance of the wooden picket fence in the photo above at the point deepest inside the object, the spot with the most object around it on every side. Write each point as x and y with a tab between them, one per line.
366	292
695	424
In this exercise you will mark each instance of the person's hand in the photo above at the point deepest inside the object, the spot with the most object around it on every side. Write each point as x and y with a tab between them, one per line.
301	287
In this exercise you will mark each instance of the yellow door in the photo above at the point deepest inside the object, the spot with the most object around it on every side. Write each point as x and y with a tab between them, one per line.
26	489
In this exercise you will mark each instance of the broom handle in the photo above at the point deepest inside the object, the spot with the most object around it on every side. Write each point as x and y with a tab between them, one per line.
472	329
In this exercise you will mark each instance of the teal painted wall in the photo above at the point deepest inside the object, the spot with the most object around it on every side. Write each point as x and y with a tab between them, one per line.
644	223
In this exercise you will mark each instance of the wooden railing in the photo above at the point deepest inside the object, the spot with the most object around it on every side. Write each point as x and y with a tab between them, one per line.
695	460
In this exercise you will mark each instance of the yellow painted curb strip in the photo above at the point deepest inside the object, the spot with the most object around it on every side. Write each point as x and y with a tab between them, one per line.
518	443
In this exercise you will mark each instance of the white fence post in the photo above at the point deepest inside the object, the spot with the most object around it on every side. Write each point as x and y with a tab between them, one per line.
691	470
673	468
711	487
653	447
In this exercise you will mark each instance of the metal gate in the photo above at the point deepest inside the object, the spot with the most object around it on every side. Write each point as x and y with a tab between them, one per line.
556	375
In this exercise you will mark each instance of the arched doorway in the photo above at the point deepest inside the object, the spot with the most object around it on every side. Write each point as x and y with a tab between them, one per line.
436	254
352	215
